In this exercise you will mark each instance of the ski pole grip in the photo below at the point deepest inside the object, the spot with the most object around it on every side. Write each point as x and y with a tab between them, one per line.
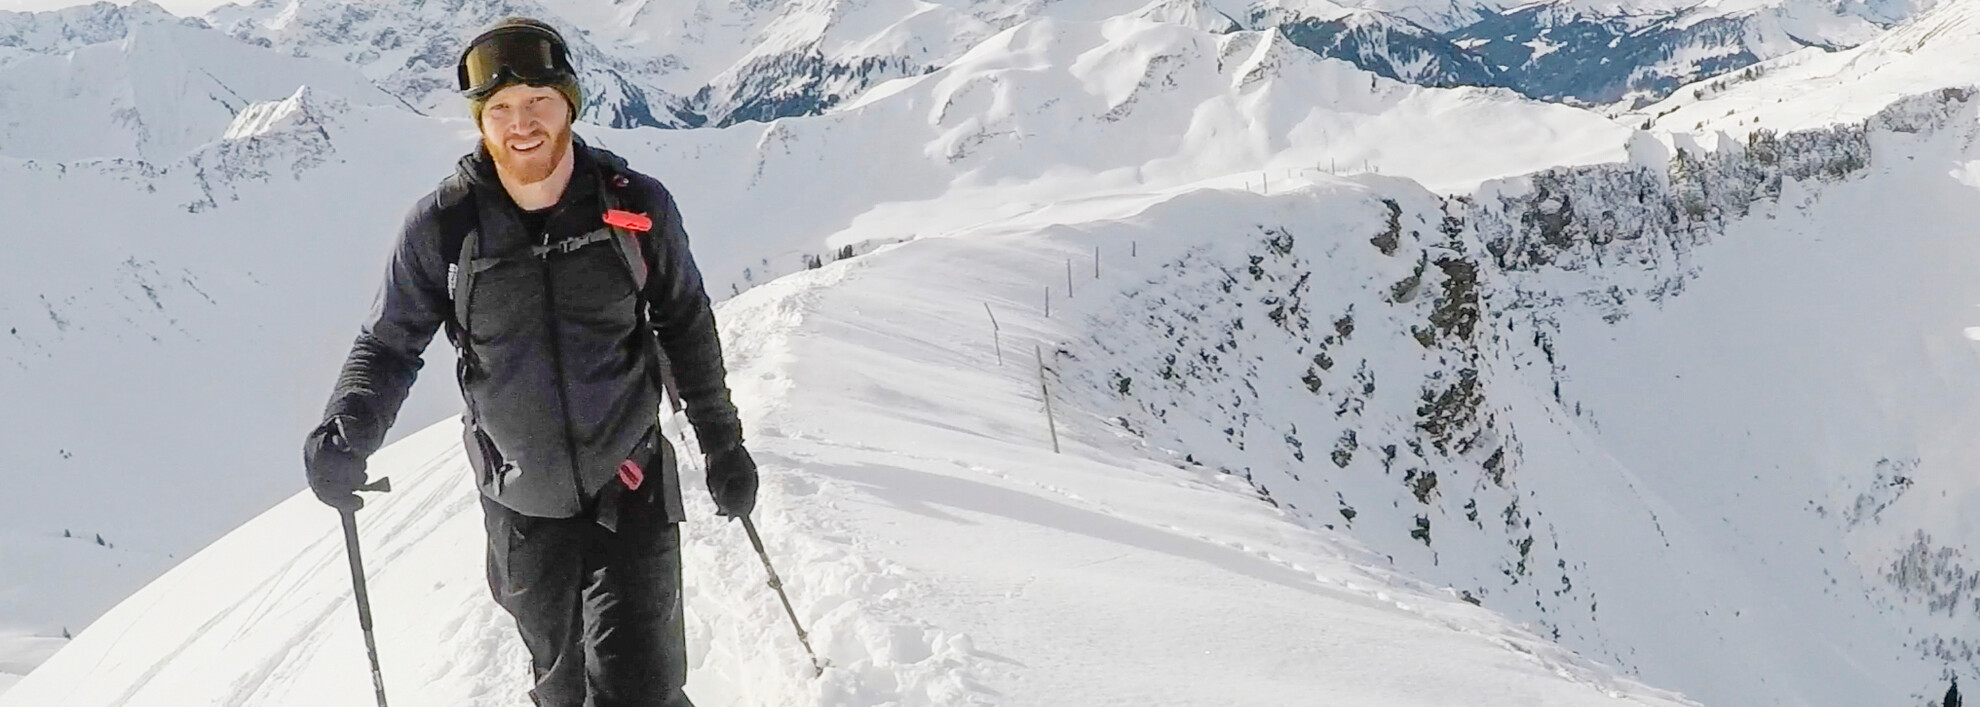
382	485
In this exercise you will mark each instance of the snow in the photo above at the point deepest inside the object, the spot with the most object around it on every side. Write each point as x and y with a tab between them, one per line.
1812	88
188	264
888	438
155	95
1733	453
1541	47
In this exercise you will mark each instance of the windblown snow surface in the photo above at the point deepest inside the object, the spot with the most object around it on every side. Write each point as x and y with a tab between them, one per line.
1542	412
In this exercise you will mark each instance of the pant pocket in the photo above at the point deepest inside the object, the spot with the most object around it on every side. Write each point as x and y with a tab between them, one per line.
661	491
482	456
670	481
509	556
494	521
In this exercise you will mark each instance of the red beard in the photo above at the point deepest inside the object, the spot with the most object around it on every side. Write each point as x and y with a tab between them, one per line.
535	165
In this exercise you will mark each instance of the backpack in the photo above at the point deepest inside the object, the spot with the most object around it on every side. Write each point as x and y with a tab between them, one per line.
629	224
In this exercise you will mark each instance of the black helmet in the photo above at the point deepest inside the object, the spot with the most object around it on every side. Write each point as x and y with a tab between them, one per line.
517	50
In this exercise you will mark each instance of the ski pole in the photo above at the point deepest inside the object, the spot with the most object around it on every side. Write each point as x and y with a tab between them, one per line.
357	581
778	584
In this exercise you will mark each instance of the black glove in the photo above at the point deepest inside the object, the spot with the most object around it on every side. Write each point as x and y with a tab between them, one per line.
335	470
732	481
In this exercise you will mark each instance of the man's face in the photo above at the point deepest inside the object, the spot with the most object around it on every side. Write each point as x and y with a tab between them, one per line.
527	130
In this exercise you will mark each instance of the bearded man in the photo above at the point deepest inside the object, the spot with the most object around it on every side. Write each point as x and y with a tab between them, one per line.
564	281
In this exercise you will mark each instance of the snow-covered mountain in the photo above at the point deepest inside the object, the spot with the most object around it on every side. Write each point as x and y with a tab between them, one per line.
1579	51
681	65
937	549
1702	346
175	259
1392	47
58	31
1601	55
1810	88
1361	352
155	94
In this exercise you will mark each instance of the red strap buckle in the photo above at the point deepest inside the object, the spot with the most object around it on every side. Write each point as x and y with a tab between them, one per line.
638	223
631	475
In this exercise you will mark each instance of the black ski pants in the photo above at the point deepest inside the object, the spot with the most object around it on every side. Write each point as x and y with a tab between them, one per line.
599	610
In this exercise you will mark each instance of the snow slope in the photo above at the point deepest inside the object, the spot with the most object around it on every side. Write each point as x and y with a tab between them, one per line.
720	63
1503	415
894	437
1646	528
155	342
155	328
153	94
889	438
1814	88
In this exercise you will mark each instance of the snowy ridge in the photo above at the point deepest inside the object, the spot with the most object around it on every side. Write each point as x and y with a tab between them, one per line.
716	64
1812	88
254	619
851	373
1390	46
1053	108
177	261
1606	53
22	33
1702	372
1744	211
656	65
125	270
297	112
155	94
865	532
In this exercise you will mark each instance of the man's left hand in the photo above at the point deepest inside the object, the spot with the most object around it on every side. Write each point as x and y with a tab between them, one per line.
732	481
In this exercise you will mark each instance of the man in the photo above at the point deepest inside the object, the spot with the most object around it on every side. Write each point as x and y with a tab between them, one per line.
532	257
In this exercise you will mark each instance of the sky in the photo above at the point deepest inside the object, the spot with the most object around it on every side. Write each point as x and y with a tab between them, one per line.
178	7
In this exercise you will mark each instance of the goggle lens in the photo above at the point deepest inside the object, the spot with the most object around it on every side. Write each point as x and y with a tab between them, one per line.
522	56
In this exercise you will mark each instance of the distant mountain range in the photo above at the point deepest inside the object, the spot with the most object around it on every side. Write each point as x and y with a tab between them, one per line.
684	65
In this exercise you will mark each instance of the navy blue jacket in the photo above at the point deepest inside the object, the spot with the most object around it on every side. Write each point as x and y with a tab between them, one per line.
561	385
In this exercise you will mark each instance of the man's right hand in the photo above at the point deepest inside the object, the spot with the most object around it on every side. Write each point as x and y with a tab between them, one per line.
335	470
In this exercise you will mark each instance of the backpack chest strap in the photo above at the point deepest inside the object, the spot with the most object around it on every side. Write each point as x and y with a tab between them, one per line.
566	246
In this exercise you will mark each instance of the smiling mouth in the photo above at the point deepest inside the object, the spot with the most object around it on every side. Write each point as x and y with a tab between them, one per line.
527	146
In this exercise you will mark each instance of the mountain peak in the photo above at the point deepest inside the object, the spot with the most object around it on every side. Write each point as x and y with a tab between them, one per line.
69	28
306	109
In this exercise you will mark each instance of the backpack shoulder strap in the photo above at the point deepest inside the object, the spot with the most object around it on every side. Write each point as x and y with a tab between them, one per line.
635	247
456	217
621	196
458	224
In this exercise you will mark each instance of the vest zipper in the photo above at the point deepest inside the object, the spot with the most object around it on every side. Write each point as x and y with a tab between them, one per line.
557	360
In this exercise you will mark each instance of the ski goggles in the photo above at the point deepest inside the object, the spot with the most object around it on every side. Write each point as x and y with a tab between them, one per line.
512	55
